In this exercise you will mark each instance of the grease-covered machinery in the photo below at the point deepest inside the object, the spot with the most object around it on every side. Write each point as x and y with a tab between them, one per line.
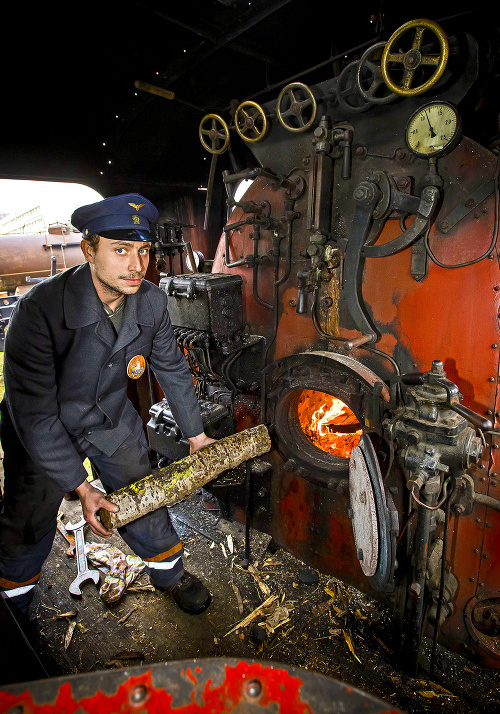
353	308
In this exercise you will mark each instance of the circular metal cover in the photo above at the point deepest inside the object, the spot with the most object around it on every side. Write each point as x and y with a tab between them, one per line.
364	512
374	517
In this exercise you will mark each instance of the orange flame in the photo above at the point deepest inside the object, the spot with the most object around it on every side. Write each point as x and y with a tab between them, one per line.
319	414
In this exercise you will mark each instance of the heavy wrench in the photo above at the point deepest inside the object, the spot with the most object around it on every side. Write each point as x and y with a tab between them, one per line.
84	572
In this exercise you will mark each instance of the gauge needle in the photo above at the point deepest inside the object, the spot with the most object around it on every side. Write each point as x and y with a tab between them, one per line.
433	133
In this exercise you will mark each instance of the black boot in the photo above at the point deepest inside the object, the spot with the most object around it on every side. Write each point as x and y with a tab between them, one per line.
190	594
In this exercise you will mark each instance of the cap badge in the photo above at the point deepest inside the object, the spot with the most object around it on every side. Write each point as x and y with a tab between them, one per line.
136	367
137	205
136	219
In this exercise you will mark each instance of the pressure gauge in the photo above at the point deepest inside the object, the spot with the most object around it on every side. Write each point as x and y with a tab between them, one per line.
434	129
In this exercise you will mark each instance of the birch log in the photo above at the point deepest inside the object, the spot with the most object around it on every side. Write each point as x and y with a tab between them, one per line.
180	479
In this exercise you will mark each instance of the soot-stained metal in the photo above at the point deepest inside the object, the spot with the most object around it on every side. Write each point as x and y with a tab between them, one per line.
360	264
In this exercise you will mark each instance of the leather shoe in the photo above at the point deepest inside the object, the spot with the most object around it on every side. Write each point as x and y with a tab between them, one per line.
190	594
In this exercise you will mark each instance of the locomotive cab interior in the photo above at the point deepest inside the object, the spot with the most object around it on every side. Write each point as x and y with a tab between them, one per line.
337	279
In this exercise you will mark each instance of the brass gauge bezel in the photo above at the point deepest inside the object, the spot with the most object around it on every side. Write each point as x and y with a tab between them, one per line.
450	142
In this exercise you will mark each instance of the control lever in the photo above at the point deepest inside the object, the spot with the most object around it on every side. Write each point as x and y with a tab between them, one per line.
473	417
289	184
249	206
357	342
366	196
415	378
344	137
302	275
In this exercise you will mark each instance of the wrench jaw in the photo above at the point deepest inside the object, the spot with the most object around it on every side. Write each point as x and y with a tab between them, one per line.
75	589
75	526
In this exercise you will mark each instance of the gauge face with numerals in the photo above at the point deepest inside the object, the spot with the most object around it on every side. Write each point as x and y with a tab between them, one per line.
434	129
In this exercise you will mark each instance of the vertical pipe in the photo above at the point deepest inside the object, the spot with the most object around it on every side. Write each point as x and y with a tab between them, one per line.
429	494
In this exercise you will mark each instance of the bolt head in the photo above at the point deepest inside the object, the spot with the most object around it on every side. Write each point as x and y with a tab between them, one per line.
138	694
412	59
415	589
253	689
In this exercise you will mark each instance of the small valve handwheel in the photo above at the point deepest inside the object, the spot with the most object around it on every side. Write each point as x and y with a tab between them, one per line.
369	80
250	121
214	134
348	96
413	59
295	102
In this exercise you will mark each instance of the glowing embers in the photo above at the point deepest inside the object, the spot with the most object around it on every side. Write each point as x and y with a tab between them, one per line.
328	423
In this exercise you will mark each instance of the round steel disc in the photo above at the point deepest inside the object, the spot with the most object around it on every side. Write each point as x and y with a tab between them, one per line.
364	512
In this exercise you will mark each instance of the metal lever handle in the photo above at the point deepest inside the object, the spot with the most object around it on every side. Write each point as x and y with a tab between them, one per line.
412	378
301	295
254	173
358	341
415	378
473	417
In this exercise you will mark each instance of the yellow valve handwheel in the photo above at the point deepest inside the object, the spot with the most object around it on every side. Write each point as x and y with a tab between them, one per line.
297	98
250	121
413	58
214	134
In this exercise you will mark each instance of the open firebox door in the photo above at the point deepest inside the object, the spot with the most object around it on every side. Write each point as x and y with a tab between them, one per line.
319	404
374	517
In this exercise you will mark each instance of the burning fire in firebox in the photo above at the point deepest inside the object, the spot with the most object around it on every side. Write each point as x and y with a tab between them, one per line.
328	423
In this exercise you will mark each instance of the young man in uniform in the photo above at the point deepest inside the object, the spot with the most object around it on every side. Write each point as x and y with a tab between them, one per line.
74	341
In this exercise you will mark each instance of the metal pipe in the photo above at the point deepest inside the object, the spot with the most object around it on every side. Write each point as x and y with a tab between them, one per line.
417	587
255	291
227	260
441	586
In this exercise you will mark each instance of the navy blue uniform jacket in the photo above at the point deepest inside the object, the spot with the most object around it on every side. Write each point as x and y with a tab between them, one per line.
66	371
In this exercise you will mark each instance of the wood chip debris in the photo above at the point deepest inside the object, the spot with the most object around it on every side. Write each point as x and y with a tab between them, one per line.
256	575
230	543
117	659
277	618
323	607
430	693
348	640
270	562
253	615
69	633
238	598
127	615
382	644
138	588
275	615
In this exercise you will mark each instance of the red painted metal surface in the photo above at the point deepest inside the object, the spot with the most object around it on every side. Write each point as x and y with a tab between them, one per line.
211	686
451	315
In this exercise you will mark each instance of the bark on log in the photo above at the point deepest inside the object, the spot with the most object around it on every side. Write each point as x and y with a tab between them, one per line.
180	479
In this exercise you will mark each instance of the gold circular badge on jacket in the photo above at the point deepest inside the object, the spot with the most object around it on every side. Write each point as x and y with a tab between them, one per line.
136	367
